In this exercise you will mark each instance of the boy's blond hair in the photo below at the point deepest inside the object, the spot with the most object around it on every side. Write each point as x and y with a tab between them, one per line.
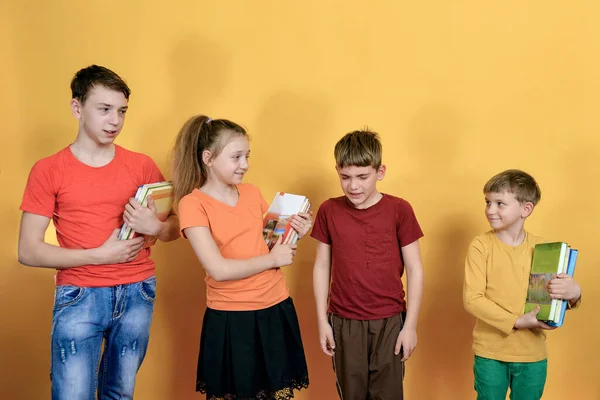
359	148
517	182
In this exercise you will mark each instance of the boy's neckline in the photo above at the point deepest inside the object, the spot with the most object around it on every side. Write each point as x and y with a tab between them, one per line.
349	203
512	246
81	162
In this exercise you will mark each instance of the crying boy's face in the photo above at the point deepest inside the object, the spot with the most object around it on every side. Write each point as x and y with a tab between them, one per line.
359	184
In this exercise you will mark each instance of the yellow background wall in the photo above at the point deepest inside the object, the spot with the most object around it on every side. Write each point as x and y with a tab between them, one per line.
459	90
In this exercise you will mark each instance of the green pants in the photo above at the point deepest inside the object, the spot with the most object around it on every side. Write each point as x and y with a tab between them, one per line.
493	378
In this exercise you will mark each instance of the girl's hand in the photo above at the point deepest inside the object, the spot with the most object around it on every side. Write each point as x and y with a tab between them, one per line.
283	254
302	222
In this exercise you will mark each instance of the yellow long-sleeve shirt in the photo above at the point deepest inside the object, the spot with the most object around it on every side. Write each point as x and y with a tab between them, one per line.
495	290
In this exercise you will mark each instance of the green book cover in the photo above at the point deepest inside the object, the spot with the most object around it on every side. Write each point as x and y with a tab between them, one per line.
547	262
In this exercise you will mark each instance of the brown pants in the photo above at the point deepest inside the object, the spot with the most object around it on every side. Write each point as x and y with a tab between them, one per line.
364	362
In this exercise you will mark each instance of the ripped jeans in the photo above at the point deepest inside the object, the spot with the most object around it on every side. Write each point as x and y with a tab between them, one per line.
84	317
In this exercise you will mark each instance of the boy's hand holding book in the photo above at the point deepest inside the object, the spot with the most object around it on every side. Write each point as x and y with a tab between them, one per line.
529	321
552	289
115	251
564	287
142	219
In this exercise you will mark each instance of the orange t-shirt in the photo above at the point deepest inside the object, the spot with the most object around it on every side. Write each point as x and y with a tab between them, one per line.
237	231
86	204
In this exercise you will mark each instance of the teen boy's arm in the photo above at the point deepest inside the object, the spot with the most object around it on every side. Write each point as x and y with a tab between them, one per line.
407	339
322	277
143	220
321	280
35	252
39	201
169	230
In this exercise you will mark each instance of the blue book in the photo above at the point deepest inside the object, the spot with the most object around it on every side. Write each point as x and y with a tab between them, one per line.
570	272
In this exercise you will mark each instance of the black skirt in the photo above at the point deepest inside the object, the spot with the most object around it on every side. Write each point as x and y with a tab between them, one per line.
248	355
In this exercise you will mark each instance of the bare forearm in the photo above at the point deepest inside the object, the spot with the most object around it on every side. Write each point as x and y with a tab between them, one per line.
44	255
414	277
321	279
169	229
232	270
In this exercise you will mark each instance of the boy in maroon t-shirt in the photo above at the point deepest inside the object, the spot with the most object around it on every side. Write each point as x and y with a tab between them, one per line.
364	238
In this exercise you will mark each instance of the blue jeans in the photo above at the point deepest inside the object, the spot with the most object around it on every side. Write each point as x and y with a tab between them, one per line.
81	320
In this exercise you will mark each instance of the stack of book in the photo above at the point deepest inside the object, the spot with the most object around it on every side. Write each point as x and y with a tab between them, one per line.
549	259
277	221
162	195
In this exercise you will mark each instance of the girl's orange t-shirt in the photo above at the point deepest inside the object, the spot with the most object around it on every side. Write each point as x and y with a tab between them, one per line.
237	231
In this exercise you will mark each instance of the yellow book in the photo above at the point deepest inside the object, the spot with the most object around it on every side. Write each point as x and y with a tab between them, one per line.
162	194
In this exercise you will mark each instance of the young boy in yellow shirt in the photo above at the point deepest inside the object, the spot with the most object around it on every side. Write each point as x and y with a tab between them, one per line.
509	346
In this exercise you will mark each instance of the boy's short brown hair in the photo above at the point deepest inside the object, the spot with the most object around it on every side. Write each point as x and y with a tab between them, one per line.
95	75
517	182
359	148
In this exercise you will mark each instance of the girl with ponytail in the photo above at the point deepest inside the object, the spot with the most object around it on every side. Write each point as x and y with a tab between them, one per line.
250	345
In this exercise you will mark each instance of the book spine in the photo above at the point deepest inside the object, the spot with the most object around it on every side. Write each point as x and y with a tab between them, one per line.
125	231
563	270
570	271
564	253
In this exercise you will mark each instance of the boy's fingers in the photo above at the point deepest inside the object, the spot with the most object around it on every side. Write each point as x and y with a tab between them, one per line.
151	204
398	347
546	326
134	203
326	348
138	241
406	355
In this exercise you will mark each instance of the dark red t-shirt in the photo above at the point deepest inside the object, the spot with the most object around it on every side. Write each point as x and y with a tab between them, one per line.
366	261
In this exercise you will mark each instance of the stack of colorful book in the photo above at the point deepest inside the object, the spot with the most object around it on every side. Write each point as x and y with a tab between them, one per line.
162	195
277	221
549	260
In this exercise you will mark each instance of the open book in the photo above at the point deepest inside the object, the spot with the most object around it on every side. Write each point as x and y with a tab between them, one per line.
277	221
162	195
549	260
